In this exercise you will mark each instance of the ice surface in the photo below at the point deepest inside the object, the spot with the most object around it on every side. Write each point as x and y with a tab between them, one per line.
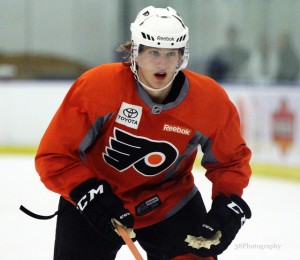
271	234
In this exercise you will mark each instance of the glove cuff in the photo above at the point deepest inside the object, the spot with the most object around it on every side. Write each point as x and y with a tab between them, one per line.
79	191
90	191
222	200
243	205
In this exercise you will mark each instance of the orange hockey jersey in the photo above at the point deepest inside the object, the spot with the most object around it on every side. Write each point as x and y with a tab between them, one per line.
107	127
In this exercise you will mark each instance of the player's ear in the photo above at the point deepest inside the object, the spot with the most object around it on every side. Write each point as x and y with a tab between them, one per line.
137	60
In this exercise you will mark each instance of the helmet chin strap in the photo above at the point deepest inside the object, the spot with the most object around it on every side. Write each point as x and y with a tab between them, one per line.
155	89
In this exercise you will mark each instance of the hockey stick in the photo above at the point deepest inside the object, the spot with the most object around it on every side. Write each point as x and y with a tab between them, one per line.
129	242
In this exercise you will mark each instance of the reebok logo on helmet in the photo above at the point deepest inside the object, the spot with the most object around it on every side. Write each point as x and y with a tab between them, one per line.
160	38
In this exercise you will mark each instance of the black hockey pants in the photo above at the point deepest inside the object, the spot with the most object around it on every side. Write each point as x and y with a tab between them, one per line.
77	240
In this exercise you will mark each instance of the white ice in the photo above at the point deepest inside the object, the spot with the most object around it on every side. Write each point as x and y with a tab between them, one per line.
271	234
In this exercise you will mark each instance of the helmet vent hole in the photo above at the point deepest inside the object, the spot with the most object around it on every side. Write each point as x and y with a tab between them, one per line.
147	36
180	39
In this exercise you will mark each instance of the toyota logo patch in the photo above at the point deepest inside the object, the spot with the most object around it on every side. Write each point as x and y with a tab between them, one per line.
130	112
129	115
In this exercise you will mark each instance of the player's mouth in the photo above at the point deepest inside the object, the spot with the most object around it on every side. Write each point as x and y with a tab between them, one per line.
160	75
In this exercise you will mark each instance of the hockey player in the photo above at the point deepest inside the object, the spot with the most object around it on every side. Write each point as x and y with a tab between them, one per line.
122	145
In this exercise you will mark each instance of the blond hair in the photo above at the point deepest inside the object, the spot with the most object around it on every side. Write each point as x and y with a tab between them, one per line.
125	49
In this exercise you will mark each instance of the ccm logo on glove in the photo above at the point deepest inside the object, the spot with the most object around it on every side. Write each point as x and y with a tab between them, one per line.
124	215
208	227
233	206
89	197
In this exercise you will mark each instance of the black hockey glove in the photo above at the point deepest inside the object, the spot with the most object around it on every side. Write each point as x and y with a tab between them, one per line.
220	226
100	206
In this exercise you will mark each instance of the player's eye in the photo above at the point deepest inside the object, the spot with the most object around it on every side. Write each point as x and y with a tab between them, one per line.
154	53
171	54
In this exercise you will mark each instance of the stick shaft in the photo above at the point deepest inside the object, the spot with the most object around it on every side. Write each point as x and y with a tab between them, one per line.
129	242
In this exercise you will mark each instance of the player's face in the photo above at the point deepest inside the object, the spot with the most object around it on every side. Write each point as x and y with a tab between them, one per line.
156	67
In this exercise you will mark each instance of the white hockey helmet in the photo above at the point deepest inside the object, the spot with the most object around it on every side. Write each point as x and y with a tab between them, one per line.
159	28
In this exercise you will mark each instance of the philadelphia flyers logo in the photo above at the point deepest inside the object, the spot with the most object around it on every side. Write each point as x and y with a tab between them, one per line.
148	157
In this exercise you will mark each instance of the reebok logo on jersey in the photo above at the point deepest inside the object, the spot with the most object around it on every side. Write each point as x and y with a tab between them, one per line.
148	157
177	129
129	115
